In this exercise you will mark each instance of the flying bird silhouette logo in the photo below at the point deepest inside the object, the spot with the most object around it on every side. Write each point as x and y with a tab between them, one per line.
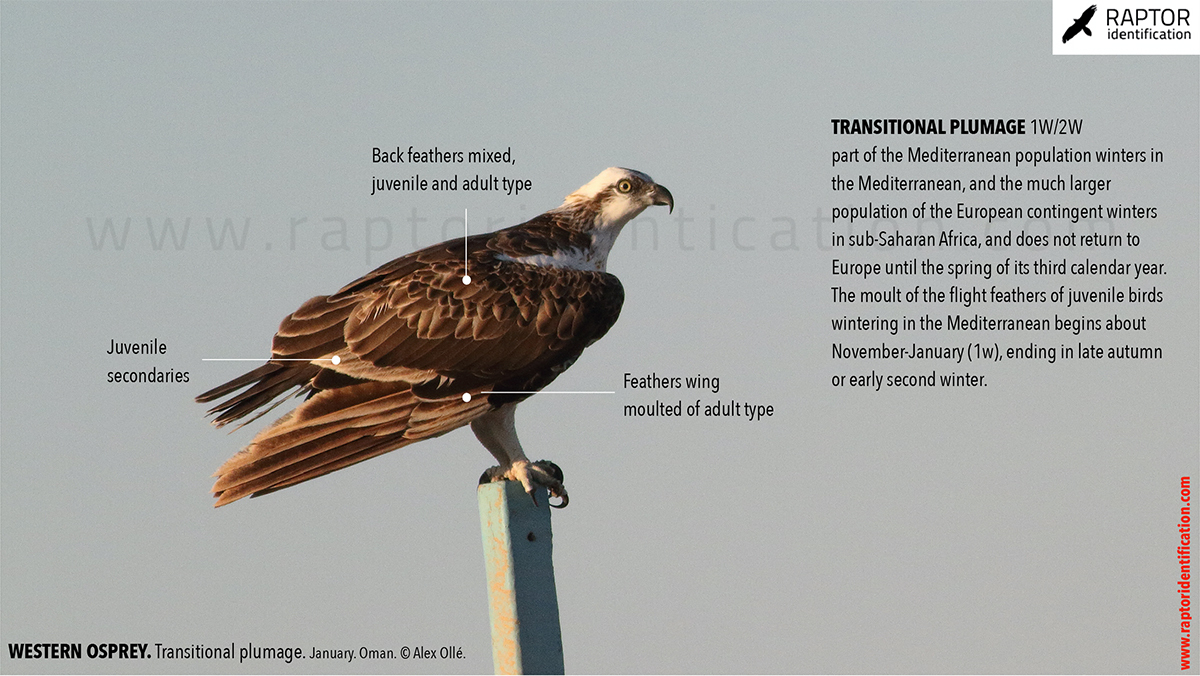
1080	24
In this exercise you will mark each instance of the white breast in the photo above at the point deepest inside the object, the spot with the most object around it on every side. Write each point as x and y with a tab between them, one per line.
593	258
572	259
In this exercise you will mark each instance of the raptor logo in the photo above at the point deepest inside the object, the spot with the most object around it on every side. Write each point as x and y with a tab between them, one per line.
1080	24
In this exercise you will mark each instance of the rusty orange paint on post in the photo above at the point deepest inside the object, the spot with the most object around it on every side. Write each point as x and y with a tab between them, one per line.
522	598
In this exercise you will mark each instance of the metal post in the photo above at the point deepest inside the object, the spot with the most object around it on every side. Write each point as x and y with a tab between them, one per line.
522	600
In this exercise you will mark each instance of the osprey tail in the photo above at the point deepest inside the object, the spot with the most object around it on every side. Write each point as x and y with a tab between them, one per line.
337	428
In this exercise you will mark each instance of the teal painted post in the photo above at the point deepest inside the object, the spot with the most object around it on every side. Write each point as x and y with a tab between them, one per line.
522	599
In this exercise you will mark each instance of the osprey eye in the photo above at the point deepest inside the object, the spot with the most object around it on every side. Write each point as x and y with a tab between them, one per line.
624	185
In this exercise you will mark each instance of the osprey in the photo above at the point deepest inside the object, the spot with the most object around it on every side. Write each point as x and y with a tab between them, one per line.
457	333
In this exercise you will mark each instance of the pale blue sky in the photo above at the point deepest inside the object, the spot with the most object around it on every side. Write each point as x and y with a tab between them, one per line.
1022	527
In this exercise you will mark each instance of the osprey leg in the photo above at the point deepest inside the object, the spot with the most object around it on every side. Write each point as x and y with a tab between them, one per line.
497	431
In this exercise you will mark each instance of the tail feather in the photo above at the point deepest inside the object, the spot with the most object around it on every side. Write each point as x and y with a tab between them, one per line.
283	476
297	440
332	466
329	419
355	457
335	429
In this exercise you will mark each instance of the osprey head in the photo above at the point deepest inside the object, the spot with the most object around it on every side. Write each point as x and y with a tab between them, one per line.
618	195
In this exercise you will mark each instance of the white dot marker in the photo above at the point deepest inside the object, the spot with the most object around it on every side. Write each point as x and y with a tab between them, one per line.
336	360
467	279
466	396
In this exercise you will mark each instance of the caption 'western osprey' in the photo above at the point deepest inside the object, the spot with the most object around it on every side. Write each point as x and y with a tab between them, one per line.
413	350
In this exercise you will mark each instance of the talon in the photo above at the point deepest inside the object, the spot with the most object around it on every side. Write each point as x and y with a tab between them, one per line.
491	475
550	468
531	475
550	475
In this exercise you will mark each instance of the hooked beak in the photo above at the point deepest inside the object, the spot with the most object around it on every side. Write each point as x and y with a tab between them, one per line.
662	196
